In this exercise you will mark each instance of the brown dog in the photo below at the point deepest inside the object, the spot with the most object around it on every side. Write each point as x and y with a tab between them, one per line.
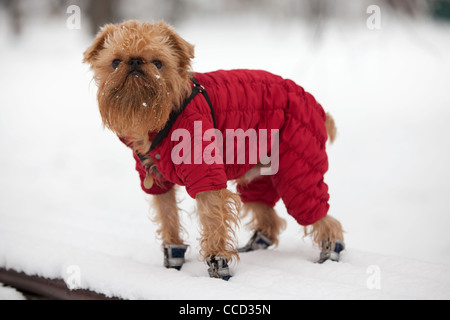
143	74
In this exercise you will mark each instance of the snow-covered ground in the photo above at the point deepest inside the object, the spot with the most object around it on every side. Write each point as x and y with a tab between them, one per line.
7	293
71	205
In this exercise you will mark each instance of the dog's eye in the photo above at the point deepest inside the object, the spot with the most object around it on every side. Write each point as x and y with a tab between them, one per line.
115	63
158	64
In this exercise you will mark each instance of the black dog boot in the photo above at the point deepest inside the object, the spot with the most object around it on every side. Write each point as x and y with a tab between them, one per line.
174	255
256	242
331	250
218	268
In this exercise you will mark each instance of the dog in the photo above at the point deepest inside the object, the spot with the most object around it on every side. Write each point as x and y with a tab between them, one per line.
149	96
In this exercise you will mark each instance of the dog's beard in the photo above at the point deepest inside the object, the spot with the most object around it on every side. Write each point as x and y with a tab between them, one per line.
135	104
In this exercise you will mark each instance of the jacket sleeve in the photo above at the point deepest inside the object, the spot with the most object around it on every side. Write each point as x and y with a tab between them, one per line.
160	185
201	168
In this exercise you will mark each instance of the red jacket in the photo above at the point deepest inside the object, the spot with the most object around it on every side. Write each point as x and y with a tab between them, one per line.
244	99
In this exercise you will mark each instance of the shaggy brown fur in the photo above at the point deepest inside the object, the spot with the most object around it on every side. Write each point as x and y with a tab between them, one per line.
132	105
167	218
218	213
331	127
134	102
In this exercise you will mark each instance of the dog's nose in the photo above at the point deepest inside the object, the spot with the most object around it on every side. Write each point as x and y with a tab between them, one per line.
135	63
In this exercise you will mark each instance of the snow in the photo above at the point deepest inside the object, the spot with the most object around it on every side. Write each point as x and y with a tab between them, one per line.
71	206
7	293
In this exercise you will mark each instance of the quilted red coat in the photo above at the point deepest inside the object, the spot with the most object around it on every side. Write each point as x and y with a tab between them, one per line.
244	99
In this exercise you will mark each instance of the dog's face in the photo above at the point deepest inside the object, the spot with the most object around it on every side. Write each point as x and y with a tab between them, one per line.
142	71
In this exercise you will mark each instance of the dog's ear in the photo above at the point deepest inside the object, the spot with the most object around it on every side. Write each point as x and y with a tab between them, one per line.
183	49
92	52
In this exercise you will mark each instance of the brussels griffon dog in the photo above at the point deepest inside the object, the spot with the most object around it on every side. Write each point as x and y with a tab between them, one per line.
200	130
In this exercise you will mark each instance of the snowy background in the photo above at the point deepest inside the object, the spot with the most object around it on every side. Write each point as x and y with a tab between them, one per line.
69	195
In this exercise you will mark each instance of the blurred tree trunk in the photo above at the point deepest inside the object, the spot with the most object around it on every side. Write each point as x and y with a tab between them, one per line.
15	14
101	12
440	9
317	14
409	7
175	10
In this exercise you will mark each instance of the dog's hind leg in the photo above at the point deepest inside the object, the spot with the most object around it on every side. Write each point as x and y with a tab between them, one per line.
169	229
265	223
300	183
259	197
329	235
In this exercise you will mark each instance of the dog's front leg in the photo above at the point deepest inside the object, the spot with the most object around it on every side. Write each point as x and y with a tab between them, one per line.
218	213
169	229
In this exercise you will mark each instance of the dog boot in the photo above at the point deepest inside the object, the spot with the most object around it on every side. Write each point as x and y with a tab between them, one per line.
256	242
331	251
218	268
174	255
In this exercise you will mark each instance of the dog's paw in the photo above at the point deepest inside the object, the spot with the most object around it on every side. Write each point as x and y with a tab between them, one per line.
218	268
256	242
174	255
331	250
